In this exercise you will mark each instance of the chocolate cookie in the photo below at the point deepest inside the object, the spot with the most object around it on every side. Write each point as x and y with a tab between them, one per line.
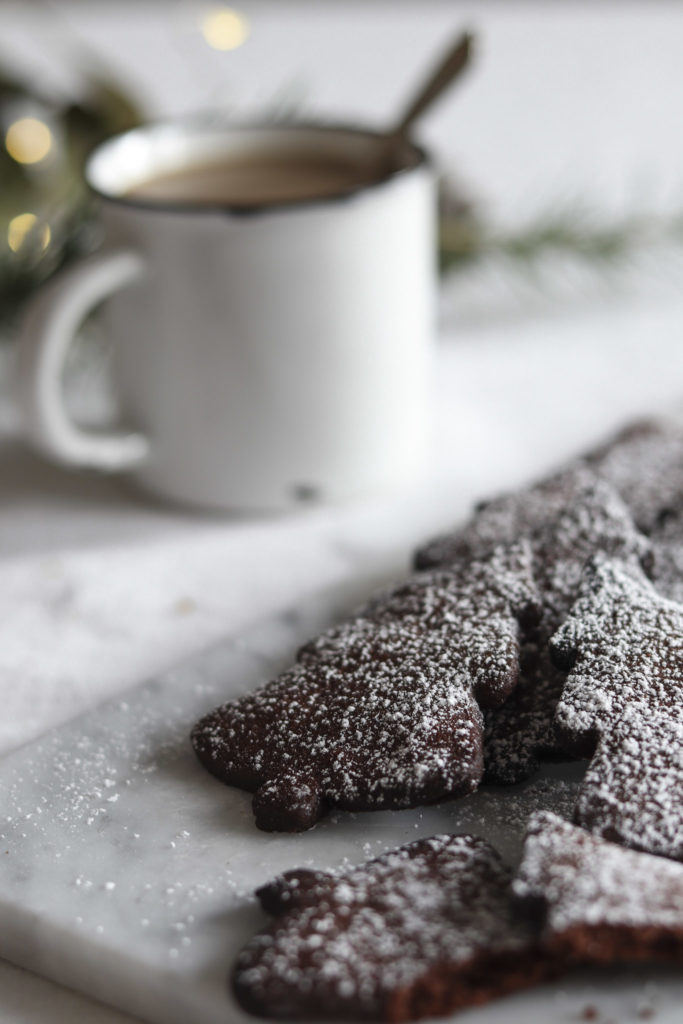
622	645
597	902
520	734
522	730
504	519
644	463
383	710
667	556
566	519
423	930
466	609
632	793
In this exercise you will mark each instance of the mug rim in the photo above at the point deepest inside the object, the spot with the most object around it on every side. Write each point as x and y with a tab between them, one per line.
422	160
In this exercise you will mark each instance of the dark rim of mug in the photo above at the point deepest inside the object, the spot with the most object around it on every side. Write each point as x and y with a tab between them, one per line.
422	160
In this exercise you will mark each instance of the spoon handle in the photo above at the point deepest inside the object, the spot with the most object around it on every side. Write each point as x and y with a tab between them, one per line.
451	67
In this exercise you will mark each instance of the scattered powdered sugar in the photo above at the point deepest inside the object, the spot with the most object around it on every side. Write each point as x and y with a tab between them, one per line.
667	560
632	792
347	943
641	472
644	463
472	609
623	643
382	710
359	684
519	734
580	881
595	520
504	519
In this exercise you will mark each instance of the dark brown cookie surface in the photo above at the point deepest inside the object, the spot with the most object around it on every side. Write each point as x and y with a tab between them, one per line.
504	519
597	902
632	793
424	930
383	710
622	702
667	556
644	463
595	520
520	734
474	610
622	645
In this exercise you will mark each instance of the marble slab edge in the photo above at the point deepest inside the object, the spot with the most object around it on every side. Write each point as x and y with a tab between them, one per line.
68	774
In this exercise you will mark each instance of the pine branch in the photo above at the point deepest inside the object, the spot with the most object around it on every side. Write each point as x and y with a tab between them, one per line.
575	233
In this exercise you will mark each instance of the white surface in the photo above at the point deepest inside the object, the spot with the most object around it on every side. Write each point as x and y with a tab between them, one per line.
99	590
128	871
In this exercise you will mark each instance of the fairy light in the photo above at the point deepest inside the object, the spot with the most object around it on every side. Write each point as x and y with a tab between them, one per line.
21	226
224	28
28	140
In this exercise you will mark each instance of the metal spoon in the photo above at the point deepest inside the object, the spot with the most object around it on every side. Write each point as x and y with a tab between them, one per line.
448	70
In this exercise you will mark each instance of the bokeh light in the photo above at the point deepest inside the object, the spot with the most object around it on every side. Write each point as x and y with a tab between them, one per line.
224	28
28	140
21	226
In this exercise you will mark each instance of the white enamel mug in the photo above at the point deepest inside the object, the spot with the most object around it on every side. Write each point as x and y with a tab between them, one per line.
263	358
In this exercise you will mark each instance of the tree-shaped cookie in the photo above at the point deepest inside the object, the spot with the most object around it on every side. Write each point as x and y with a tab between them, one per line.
644	463
622	645
667	555
505	519
597	902
632	792
596	520
423	930
382	711
566	519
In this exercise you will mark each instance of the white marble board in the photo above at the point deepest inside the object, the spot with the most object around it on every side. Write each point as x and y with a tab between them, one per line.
127	871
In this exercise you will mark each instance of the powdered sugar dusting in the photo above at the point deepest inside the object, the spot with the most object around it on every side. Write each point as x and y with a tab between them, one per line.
582	881
632	792
595	520
504	519
624	643
644	462
667	550
345	943
381	711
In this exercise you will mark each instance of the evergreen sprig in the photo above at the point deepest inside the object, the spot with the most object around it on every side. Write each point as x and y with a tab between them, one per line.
570	230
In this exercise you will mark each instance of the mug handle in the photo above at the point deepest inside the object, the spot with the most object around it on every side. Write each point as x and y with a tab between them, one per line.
47	332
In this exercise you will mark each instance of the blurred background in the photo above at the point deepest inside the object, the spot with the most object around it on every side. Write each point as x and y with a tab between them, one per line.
561	154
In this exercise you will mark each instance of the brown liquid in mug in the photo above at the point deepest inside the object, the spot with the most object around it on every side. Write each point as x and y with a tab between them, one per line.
256	180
